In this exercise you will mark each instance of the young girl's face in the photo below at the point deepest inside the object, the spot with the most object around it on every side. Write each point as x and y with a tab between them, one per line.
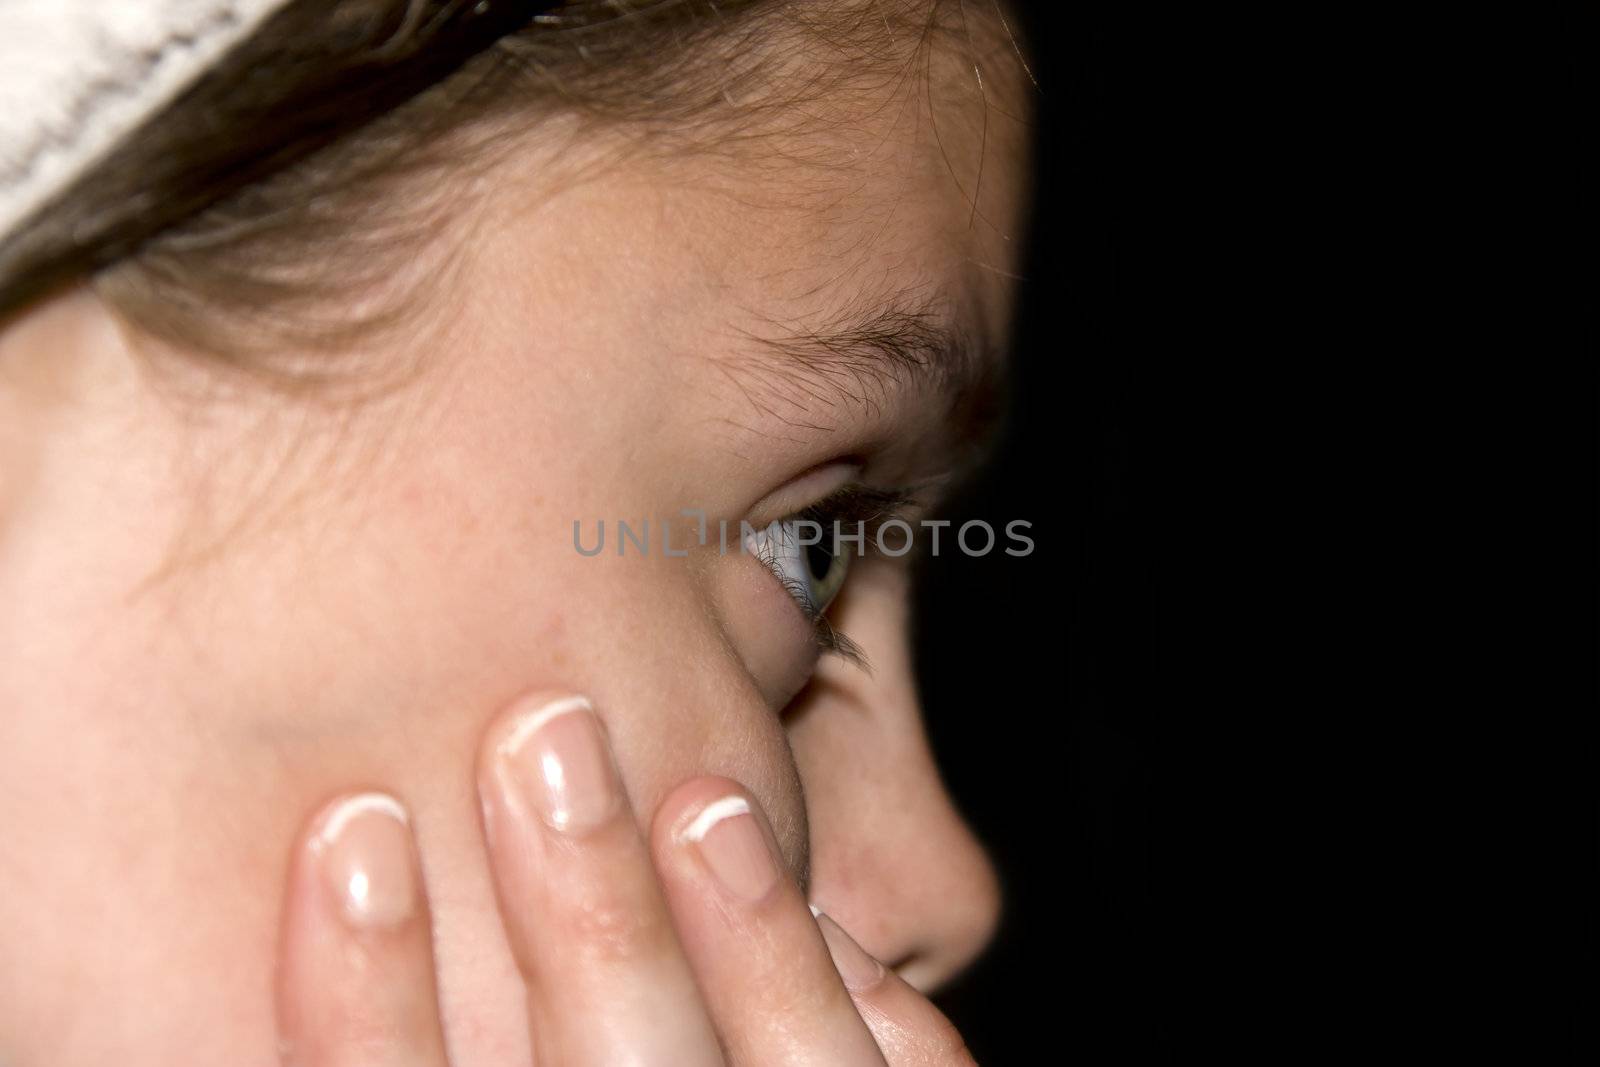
231	609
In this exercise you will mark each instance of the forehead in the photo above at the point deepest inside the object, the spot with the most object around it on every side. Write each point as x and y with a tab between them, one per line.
892	161
867	192
854	147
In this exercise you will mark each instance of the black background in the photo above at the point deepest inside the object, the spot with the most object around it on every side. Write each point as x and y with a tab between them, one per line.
1039	673
1241	734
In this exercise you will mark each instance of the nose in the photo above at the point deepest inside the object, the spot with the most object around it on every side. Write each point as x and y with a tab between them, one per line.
892	861
927	904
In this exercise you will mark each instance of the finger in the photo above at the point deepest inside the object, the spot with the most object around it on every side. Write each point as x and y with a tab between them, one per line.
355	983
773	992
607	980
908	1028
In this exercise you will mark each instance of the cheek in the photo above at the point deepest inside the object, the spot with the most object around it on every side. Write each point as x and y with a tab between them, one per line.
772	640
643	639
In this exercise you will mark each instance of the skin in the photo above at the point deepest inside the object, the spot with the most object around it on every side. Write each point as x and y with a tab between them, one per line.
226	611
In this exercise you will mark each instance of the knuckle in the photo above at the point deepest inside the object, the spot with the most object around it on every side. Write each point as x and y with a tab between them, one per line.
609	930
786	995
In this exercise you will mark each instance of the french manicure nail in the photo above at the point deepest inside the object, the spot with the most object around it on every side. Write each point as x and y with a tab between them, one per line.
733	847
557	760
856	969
366	855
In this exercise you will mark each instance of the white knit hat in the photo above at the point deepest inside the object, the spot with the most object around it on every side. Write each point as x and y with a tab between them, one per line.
78	76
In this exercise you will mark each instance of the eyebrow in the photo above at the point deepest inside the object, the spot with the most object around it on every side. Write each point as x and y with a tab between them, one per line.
864	356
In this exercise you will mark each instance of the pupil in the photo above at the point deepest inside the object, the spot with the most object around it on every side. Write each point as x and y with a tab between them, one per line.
820	560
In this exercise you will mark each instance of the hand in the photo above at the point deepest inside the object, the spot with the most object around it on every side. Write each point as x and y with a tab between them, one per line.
695	947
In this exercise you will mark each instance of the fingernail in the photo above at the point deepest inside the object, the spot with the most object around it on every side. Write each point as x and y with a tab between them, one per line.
856	969
365	851
557	759
733	847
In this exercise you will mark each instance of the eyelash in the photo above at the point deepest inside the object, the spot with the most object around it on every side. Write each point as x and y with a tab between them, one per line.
872	507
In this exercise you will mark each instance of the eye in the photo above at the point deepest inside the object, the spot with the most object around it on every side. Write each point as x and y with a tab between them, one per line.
803	556
809	552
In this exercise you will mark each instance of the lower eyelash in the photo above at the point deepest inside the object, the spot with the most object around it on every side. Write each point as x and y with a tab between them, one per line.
836	642
830	639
